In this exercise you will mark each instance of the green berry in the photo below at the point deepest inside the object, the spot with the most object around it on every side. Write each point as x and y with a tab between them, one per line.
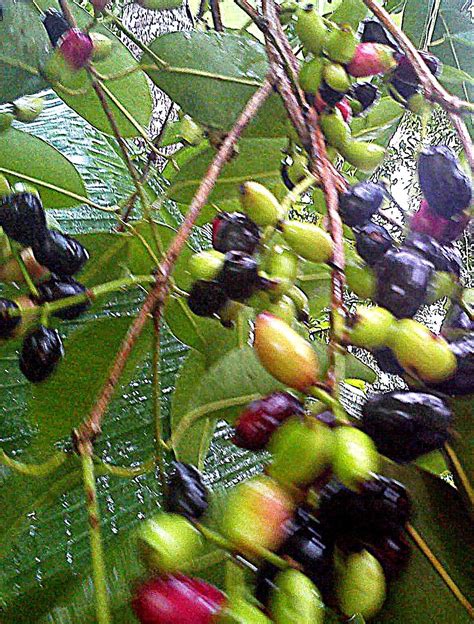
360	278
308	240
341	44
240	611
206	265
190	131
284	353
102	46
284	309
370	327
300	301
336	131
160	5
442	284
28	108
295	599
311	75
259	204
311	29
5	121
169	543
5	188
363	155
282	265
361	586
336	77
301	450
355	457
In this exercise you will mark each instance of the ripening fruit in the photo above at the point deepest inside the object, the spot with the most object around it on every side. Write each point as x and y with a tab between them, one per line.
256	515
371	59
308	240
361	585
206	265
344	107
369	327
11	270
284	353
169	543
284	309
259	204
341	44
102	46
336	131
311	29
311	75
355	457
363	155
421	352
301	450
281	265
295	599
76	48
426	221
239	275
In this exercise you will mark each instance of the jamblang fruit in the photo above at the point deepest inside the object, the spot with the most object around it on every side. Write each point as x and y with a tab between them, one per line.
177	600
260	418
234	232
22	218
240	611
295	599
335	129
361	585
206	298
56	25
41	351
336	77
311	75
370	327
372	242
355	457
311	29
446	187
57	288
28	108
426	221
259	204
363	155
371	59
363	96
456	323
256	515
443	257
76	47
405	425
206	265
8	324
341	44
462	382
327	96
406	73
60	253
239	275
360	202
284	353
374	32
281	266
188	495
308	240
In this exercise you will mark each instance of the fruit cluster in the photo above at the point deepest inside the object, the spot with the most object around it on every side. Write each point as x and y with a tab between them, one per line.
46	253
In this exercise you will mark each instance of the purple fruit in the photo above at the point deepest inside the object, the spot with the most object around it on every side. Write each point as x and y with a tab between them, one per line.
56	25
372	242
206	298
363	96
188	495
41	351
405	72
426	221
456	323
360	202
58	288
330	96
8	324
235	232
374	32
239	276
442	257
22	217
60	253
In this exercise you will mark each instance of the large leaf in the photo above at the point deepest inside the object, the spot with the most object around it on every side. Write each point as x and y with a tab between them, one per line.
460	452
213	75
25	157
23	39
381	118
131	91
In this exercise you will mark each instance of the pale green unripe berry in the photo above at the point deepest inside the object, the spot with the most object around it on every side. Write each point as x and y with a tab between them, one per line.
102	46
282	265
284	309
336	131
355	456
370	327
259	204
308	240
311	75
360	278
341	44
363	155
240	611
311	29
361	586
206	265
295	599
300	301
28	108
336	77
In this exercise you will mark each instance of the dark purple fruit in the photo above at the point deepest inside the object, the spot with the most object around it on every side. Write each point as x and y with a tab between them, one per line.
206	298
405	72
363	96
8	324
260	418
60	253
360	202
401	91
443	257
462	382
387	362
22	217
372	242
402	282
405	425
445	185
456	323
330	96
239	275
374	32
58	288
56	25
235	232
188	495
41	351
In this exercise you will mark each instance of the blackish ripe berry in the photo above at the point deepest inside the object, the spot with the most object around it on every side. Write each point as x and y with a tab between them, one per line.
206	298
363	96
442	257
60	253
330	96
402	282
8	324
22	217
462	382
405	425
372	242
406	73
56	25
58	288
360	202
235	232
402	91
374	32
260	418
41	351
239	276
188	495
456	323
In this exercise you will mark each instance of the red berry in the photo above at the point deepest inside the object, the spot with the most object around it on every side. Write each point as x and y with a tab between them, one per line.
345	109
371	59
177	600
260	419
426	221
76	48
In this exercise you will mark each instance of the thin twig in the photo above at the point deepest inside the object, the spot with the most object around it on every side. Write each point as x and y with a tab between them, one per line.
216	15
159	460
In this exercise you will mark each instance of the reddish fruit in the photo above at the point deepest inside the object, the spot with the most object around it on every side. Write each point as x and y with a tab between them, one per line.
345	109
426	221
371	59
76	48
177	600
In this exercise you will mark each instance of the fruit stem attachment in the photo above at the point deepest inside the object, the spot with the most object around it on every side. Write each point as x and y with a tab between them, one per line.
24	271
333	404
294	195
33	470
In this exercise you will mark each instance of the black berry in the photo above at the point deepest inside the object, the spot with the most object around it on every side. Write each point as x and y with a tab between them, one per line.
456	323
374	32
360	202
22	217
372	242
235	232
364	96
8	324
41	351
330	96
57	288
60	253
402	91
188	495
239	275
443	257
405	72
56	25
206	298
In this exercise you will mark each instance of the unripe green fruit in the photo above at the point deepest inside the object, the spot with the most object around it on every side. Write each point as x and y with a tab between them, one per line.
361	586
308	240
341	44
311	75
28	108
169	543
335	129
363	155
23	187
336	77
311	29
239	611
360	278
6	121
420	352
371	327
160	5
284	309
259	204
355	457
57	69
284	353
190	131
300	301
206	265
255	515
442	284
295	599
282	265
102	46
5	188
301	450
332	153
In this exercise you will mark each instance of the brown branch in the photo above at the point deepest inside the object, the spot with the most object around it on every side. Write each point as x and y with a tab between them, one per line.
216	15
464	137
154	302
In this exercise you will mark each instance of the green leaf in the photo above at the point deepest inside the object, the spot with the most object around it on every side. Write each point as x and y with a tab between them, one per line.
350	12
451	76
23	38
109	254
381	118
460	453
257	159
24	156
59	404
212	76
131	91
